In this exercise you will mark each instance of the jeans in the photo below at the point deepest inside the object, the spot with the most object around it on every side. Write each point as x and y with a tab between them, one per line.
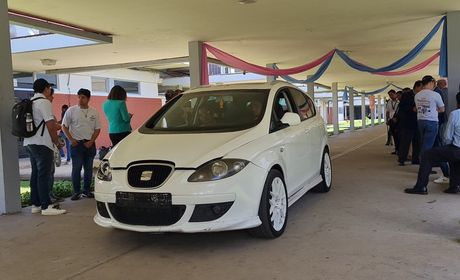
67	146
82	157
428	133
41	160
449	153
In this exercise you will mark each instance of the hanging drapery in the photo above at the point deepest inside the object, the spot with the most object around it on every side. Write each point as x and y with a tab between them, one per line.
412	69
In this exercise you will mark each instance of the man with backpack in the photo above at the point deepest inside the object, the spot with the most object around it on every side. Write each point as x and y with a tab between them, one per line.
39	132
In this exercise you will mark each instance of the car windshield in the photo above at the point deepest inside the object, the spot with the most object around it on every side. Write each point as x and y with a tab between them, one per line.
211	111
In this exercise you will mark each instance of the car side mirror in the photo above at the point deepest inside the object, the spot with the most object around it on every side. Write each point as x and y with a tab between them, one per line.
291	119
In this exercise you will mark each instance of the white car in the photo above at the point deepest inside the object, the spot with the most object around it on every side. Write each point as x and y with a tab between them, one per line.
217	158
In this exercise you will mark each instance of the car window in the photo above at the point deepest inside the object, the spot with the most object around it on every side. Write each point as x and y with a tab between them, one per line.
281	105
210	111
304	105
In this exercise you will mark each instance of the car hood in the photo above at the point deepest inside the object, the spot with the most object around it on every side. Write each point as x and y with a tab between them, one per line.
185	150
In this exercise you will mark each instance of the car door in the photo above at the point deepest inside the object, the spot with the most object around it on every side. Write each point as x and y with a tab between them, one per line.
310	142
290	141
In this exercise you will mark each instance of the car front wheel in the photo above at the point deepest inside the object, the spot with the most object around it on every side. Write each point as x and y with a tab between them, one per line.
326	174
273	209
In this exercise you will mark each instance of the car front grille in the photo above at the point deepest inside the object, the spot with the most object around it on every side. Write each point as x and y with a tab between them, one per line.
148	175
132	215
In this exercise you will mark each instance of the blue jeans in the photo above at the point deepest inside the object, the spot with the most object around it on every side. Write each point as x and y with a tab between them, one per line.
82	157
428	133
41	160
67	146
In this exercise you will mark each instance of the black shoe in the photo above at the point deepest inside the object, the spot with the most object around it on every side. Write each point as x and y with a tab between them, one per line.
394	153
75	196
87	194
416	191
401	163
453	190
433	172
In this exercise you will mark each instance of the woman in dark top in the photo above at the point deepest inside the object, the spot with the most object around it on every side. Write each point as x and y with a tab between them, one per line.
407	121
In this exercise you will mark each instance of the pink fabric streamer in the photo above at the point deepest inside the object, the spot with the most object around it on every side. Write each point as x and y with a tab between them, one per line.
249	67
411	70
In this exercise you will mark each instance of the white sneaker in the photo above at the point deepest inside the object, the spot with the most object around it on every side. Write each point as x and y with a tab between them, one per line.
442	180
35	209
53	210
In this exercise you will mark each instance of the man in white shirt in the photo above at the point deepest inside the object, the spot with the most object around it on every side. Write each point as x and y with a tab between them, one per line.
448	153
390	110
81	125
429	104
40	148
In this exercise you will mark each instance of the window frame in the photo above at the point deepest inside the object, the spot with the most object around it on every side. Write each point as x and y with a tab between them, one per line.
274	118
308	100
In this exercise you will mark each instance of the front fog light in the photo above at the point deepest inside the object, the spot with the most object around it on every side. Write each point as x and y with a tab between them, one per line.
104	172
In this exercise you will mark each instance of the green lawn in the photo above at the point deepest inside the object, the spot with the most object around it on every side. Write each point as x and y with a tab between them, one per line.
344	125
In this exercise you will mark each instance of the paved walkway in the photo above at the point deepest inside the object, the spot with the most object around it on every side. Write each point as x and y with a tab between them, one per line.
365	228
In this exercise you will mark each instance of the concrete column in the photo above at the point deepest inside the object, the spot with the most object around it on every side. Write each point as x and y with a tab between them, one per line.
10	200
373	113
195	54
335	108
311	88
453	58
271	78
379	109
363	110
351	106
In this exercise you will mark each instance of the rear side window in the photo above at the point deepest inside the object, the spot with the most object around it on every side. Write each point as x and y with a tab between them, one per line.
304	105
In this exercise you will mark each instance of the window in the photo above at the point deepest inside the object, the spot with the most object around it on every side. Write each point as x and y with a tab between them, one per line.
130	87
305	106
99	84
211	111
281	106
26	81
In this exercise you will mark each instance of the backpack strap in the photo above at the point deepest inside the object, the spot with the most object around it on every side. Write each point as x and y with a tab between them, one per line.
43	121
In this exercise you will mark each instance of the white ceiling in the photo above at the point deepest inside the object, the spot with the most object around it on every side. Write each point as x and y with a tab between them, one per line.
288	32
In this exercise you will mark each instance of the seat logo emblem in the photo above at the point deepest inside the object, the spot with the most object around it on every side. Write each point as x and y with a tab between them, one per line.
146	175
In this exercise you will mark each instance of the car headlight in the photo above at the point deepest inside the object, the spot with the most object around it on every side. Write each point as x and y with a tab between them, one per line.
104	172
218	169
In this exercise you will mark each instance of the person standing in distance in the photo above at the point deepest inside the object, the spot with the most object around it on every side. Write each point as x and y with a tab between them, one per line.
81	125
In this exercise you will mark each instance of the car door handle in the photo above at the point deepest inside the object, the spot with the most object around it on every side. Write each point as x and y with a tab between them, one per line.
282	149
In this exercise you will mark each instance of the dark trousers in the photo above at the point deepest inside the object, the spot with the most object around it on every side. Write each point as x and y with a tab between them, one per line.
449	153
409	136
394	130
117	137
82	157
41	160
438	143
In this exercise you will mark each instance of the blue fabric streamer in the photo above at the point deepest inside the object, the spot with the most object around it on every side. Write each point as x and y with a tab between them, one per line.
443	70
377	90
400	62
311	79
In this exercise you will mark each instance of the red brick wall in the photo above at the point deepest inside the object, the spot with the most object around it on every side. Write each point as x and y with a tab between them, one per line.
142	108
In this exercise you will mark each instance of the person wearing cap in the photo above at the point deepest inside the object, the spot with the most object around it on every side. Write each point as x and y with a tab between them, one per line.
40	148
448	153
81	125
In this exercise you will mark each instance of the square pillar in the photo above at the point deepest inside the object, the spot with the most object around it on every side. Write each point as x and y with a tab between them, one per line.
10	199
379	109
311	88
351	107
453	58
363	110
335	108
271	78
195	55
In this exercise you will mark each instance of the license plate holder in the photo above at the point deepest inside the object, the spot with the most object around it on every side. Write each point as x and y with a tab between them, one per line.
144	200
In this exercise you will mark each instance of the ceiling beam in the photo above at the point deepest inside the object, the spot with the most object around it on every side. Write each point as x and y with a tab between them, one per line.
57	27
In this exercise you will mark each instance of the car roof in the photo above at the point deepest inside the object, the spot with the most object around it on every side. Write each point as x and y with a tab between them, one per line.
267	85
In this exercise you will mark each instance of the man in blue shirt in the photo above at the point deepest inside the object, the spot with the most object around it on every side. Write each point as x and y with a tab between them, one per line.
448	153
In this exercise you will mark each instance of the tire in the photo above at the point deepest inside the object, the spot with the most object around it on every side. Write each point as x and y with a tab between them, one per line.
326	174
268	228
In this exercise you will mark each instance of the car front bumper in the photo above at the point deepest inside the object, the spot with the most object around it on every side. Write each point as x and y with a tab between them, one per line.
242	191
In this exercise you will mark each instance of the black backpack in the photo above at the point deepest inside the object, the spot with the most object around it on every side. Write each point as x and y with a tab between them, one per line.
19	119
